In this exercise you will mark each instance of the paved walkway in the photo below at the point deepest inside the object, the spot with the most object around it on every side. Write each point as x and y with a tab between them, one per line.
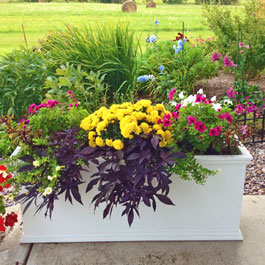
249	252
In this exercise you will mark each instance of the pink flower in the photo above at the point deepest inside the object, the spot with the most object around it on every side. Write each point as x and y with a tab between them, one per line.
175	115
219	129
228	62
159	121
199	126
178	106
215	56
244	129
70	105
76	104
241	44
215	131
231	93
200	137
228	117
171	94
191	120
247	46
199	98
166	122
71	94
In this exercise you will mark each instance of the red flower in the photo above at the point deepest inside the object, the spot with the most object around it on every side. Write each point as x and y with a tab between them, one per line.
2	222
199	126
2	168
11	219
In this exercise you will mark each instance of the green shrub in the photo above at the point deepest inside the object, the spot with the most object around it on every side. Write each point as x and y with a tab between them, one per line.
110	49
181	70
22	74
88	89
226	26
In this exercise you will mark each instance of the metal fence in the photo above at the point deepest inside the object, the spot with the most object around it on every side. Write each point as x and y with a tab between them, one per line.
258	122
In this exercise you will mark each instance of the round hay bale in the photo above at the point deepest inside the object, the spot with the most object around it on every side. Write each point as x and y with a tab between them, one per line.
151	4
129	6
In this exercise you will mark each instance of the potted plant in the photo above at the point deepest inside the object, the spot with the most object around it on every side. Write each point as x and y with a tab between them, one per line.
130	160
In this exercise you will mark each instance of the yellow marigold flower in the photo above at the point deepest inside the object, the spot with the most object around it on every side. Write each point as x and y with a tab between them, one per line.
95	122
109	142
100	142
168	134
91	135
149	109
161	133
92	144
157	127
145	127
126	104
118	144
162	144
160	107
154	113
145	102
139	115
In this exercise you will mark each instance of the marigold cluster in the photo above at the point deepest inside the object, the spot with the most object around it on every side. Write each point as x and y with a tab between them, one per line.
111	127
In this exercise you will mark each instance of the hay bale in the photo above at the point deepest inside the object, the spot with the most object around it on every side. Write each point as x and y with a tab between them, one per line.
129	6
151	4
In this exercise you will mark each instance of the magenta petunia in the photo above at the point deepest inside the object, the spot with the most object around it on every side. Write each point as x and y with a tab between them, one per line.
175	115
199	126
191	120
178	106
166	122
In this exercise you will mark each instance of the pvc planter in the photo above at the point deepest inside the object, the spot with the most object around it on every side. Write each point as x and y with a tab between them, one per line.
201	212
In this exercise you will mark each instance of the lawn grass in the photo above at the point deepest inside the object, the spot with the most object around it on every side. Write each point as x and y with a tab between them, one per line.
39	18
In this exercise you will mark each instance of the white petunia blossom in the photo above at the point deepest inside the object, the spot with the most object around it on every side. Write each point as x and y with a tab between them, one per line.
227	101
213	99
200	91
181	95
47	191
50	178
36	163
217	106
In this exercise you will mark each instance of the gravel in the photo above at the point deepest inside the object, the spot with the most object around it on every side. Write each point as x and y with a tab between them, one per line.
255	175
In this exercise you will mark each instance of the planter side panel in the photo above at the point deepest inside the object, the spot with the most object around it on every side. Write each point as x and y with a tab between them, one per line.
201	212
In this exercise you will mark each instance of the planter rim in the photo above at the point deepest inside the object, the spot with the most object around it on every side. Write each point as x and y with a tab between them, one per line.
243	158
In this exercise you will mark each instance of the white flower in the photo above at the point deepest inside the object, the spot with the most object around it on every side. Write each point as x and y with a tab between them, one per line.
47	191
4	174
213	99
57	168
50	178
217	106
173	103
200	91
227	101
36	163
181	95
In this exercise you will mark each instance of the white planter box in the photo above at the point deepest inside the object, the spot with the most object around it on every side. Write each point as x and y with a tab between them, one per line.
202	212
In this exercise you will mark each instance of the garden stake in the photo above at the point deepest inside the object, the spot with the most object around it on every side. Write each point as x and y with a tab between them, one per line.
25	36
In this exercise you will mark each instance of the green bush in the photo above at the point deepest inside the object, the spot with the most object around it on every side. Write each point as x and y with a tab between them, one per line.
181	70
22	75
88	88
109	49
226	26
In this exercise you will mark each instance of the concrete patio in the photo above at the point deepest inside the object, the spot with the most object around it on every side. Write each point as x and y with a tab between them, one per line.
251	251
